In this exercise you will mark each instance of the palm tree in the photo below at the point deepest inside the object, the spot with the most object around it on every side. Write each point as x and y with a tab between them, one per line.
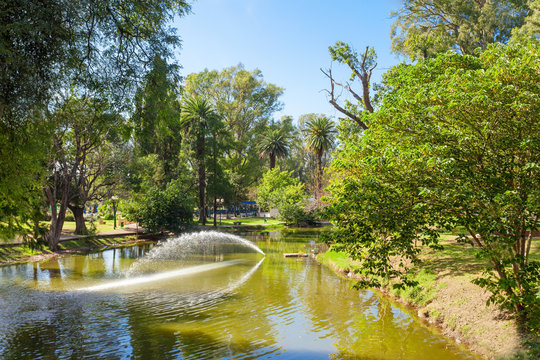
319	133
196	117
274	144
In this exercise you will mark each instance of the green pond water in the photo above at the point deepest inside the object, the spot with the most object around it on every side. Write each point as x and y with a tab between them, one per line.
249	306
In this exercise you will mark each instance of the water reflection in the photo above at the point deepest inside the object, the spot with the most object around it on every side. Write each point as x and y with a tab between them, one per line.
278	308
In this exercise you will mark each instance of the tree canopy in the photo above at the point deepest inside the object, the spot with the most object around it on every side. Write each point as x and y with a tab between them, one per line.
424	28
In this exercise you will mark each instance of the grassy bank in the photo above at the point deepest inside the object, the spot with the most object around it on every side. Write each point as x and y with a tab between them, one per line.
13	254
446	297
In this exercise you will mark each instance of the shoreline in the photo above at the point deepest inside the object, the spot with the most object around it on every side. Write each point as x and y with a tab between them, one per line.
69	247
457	308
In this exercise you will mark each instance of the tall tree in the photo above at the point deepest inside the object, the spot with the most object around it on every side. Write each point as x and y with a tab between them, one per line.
82	126
156	120
197	115
361	66
455	143
319	133
274	144
246	102
427	27
98	176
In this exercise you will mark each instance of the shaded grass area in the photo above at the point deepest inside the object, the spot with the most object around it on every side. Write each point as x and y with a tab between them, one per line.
455	260
338	260
13	253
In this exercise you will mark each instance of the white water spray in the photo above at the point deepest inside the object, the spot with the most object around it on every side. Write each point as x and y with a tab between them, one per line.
182	247
161	276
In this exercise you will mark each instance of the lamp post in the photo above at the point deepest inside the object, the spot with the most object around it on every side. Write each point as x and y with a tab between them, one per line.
114	201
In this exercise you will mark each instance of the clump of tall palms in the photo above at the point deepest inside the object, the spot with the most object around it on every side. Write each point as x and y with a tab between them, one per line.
197	118
275	144
319	131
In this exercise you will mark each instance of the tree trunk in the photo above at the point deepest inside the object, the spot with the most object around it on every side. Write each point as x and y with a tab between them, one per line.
319	176
80	224
272	161
202	182
57	224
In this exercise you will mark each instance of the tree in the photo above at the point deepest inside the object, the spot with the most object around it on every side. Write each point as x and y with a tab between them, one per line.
197	114
245	102
455	143
424	28
82	128
156	120
92	47
98	176
279	190
532	22
362	67
274	144
319	133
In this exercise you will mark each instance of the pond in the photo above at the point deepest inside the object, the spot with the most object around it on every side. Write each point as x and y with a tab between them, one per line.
249	306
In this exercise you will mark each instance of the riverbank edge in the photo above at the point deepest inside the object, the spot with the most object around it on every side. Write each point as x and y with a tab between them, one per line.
443	322
70	246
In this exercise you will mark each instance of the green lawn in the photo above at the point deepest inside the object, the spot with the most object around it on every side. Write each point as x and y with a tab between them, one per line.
108	226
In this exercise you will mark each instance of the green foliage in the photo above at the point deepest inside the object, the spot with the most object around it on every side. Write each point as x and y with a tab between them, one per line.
96	49
275	143
297	214
163	210
456	142
156	119
278	188
319	132
199	119
245	102
424	28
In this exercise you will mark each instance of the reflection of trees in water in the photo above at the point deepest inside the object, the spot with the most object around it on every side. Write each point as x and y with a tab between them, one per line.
46	325
365	325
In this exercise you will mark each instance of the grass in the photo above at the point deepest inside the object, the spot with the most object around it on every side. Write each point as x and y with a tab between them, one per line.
108	226
338	260
455	259
13	253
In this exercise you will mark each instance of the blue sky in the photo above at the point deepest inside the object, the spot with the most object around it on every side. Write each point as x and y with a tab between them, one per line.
287	40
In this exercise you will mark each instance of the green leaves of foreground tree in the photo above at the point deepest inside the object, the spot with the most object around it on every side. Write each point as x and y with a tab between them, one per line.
98	48
455	143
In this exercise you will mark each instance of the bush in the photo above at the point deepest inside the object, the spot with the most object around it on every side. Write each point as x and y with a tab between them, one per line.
296	214
70	217
163	210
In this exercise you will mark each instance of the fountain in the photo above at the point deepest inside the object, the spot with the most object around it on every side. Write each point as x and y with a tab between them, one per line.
204	243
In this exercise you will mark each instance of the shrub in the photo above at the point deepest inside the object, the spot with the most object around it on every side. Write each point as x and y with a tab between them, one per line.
163	210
